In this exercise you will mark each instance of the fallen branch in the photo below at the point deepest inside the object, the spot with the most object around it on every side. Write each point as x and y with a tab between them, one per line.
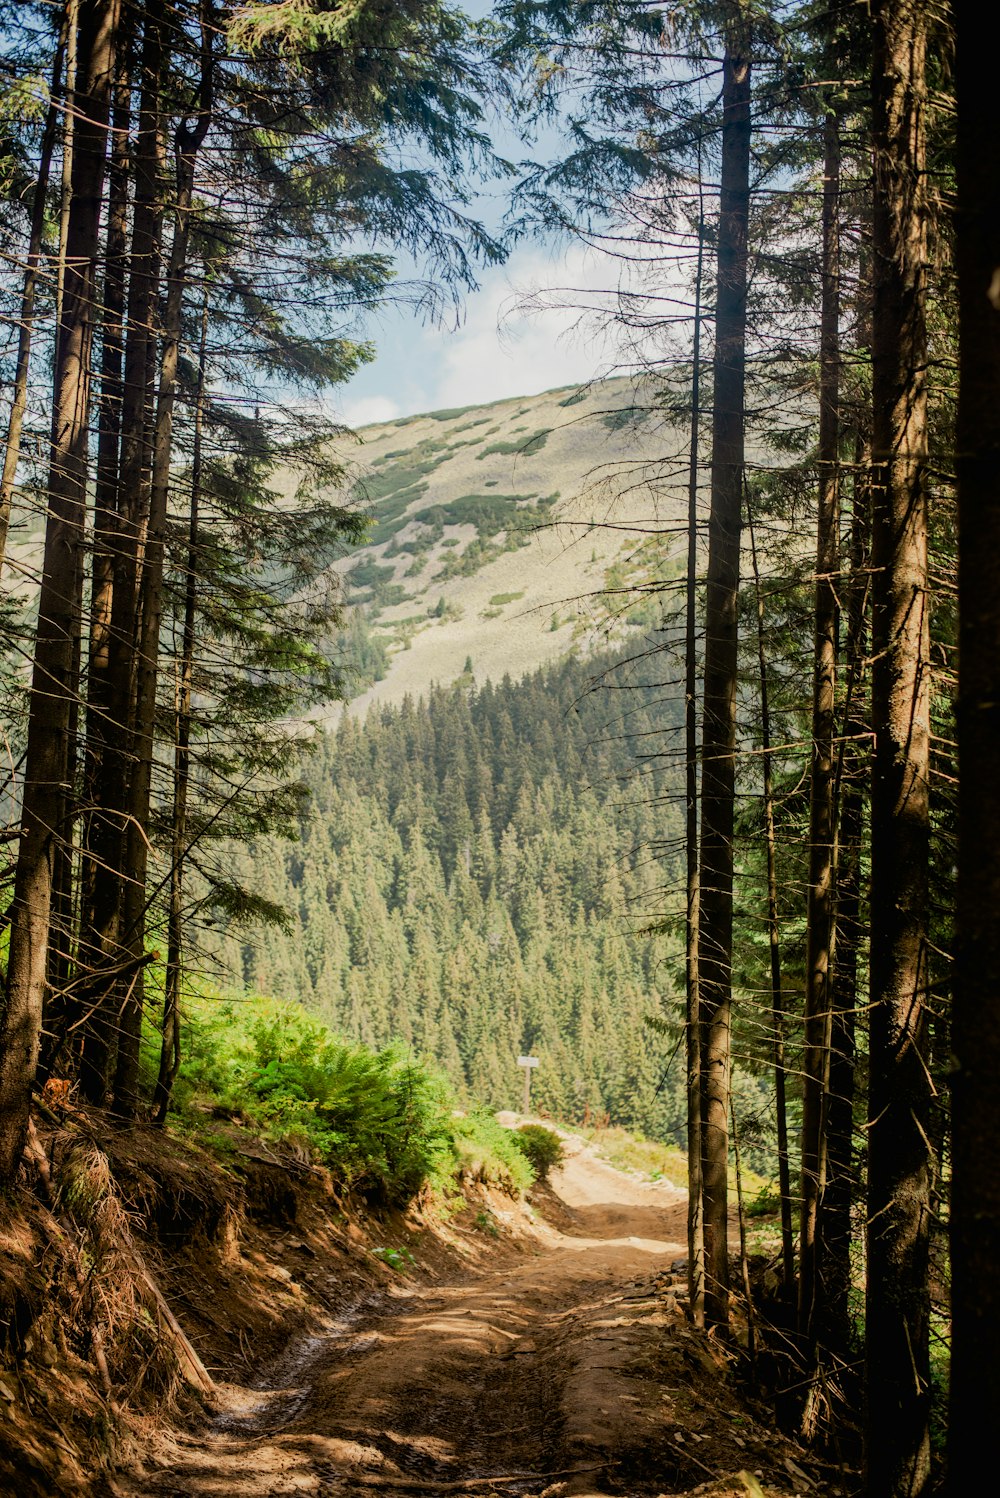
191	1365
690	1457
293	1165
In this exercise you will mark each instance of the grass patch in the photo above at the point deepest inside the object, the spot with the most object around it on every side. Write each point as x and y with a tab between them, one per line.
486	1152
390	514
485	1222
368	574
399	1259
397	452
661	1162
489	513
395	487
371	583
450	412
499	599
526	448
626	416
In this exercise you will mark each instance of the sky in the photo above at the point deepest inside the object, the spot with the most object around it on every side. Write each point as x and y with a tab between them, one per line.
498	349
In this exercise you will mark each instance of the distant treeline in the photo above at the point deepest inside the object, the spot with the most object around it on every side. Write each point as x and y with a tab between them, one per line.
472	879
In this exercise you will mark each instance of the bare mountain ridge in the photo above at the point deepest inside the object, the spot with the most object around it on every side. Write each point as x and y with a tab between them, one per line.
504	534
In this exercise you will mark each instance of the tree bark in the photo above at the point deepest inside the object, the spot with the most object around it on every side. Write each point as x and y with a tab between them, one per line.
58	621
61	809
170	1048
68	132
109	421
900	1165
105	519
26	326
133	923
975	1199
60	938
821	902
110	721
715	936
774	949
695	1220
834	1321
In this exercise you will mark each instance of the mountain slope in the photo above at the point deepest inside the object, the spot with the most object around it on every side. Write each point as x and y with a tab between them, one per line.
501	533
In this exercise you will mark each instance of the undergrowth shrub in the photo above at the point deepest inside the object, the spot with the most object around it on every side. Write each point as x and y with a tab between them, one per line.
542	1147
379	1121
382	1123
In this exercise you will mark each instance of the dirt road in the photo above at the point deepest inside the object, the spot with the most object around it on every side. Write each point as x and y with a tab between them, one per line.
567	1371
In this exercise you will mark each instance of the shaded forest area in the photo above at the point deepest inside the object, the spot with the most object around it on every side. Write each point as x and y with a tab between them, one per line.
200	205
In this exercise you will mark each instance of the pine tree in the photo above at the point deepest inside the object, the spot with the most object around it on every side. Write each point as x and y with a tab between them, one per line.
53	683
715	929
900	1165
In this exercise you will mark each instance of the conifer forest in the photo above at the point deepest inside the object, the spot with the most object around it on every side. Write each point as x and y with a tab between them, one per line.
534	862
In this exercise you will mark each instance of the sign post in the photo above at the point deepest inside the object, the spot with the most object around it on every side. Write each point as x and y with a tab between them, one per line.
527	1062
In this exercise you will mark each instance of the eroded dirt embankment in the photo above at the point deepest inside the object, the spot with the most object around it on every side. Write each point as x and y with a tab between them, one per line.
561	1363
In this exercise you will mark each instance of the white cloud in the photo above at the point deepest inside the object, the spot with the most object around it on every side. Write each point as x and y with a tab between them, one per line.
366	410
527	330
537	323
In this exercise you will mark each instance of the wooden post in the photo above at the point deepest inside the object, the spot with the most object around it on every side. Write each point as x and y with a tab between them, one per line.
527	1062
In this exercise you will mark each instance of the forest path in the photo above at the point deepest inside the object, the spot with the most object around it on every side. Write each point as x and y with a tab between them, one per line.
571	1372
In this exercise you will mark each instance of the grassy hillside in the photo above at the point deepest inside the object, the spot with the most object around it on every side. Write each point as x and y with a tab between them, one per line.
500	534
503	534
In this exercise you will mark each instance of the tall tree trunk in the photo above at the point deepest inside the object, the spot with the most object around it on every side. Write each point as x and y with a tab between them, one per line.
751	1348
718	773
774	946
68	132
900	1166
833	1318
821	902
975	1204
60	953
112	673
26	325
58	619
170	1048
109	419
105	496
62	808
133	923
695	1221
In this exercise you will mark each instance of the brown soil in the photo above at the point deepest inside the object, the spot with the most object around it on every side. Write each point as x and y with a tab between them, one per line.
532	1353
